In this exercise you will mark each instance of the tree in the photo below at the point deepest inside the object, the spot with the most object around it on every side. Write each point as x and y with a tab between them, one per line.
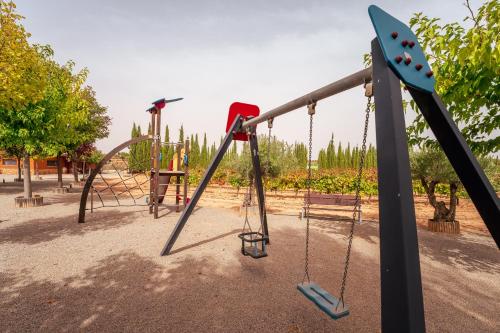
195	161
322	159
330	154
132	161
165	150
213	151
300	153
466	65
181	134
23	81
22	72
431	168
339	161
93	127
204	152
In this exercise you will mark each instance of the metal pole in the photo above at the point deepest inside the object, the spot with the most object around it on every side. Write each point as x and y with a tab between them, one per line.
157	160
346	83
152	165
401	285
186	174
178	178
254	149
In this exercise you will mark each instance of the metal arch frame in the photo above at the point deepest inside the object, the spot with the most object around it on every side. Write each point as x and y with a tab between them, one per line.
97	170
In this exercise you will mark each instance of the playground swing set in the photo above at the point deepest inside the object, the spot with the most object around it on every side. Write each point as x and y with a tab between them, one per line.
396	57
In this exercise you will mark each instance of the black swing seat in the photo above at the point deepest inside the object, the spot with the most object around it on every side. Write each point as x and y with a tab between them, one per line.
323	300
250	244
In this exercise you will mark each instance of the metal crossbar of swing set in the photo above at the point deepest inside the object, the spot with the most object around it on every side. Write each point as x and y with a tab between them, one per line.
353	80
348	82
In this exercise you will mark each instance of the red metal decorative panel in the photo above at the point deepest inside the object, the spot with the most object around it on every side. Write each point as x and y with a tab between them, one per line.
244	110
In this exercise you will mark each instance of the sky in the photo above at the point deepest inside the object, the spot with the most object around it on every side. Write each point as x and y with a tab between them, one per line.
213	53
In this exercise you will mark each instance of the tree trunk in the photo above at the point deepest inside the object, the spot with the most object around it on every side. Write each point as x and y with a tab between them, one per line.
453	202
37	173
19	168
440	211
83	171
59	171
27	177
74	165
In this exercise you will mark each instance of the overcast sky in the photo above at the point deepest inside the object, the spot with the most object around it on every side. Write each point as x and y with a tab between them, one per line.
213	53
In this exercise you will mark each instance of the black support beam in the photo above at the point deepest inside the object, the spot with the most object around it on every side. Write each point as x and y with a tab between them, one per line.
201	187
401	286
254	148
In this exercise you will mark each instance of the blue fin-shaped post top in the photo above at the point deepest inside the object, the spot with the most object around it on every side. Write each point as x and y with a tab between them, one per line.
401	50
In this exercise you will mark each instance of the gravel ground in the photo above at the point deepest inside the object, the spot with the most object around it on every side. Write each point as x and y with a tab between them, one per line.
107	275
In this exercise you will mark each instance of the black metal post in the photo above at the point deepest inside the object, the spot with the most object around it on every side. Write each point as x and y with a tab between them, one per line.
461	158
401	286
254	148
203	184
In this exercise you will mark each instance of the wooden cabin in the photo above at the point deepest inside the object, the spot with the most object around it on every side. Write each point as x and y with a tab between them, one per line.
8	165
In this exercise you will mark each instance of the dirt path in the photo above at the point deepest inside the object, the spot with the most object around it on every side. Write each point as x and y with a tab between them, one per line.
107	275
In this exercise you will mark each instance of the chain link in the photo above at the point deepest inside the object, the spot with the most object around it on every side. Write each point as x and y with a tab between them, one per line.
311	111
247	201
357	203
268	164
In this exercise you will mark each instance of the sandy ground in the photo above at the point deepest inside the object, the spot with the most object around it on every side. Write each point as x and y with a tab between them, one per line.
107	276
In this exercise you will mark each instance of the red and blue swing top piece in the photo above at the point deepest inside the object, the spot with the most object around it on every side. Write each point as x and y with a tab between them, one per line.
247	111
401	50
161	103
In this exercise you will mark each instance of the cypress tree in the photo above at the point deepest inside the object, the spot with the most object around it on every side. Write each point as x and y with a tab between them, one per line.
234	152
213	151
181	134
133	151
322	159
196	152
355	157
348	156
165	150
204	152
339	157
330	154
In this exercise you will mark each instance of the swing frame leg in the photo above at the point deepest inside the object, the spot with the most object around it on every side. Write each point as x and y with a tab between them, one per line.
401	285
186	213
254	148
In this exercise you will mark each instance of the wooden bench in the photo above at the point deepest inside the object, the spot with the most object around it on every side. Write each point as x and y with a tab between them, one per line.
330	200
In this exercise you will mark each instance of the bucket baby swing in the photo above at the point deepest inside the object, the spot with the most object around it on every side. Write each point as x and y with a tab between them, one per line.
332	306
253	243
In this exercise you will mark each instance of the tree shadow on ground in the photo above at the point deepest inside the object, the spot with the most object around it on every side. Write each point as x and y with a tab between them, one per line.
340	225
43	230
130	293
444	248
471	255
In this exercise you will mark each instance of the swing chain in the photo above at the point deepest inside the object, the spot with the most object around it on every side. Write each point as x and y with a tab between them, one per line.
248	197
311	110
268	164
357	203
